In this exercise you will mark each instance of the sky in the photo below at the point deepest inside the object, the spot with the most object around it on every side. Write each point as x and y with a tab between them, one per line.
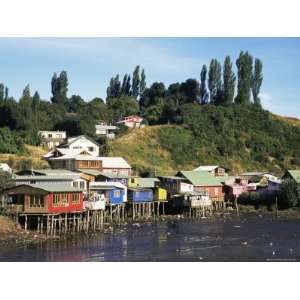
91	62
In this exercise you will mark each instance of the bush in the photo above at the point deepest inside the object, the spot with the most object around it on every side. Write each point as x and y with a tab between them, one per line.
289	195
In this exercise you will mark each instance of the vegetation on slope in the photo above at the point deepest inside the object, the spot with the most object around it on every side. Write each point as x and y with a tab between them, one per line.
239	137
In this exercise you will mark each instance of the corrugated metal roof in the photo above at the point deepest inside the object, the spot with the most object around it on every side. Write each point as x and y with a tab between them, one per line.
199	178
46	177
113	175
52	188
114	162
92	172
295	174
147	182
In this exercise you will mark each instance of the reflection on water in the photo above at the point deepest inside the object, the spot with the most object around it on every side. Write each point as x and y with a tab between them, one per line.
182	240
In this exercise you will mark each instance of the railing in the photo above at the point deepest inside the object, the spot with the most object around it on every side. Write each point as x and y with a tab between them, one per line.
15	208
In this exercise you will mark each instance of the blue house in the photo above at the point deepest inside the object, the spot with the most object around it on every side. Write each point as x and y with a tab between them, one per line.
140	195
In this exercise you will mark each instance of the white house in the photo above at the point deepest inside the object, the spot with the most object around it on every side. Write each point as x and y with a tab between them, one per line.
102	129
80	143
75	146
52	139
5	168
132	121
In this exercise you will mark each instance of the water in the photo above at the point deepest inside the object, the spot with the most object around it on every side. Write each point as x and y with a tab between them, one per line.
251	239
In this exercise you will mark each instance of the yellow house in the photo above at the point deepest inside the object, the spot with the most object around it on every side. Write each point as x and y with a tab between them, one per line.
133	182
160	194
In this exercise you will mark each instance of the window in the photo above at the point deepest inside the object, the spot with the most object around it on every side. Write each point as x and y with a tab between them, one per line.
75	184
91	149
49	135
36	201
64	200
216	191
117	194
76	198
56	201
81	184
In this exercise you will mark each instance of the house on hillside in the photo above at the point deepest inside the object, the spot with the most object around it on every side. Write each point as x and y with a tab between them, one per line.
214	170
204	181
115	165
132	121
104	130
74	146
52	139
75	162
44	199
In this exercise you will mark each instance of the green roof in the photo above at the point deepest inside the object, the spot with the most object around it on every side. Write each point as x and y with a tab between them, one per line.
147	182
201	178
295	174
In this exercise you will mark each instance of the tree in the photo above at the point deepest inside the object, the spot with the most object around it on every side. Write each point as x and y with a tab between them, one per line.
136	82
128	86
124	85
215	81
54	88
6	180
244	66
6	94
203	89
1	92
142	83
288	194
190	90
59	88
76	103
36	99
228	82
114	89
257	79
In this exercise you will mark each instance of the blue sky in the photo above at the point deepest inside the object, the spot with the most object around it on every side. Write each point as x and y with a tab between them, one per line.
90	62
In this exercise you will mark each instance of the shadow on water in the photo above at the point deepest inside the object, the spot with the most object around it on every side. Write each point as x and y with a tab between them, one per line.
180	240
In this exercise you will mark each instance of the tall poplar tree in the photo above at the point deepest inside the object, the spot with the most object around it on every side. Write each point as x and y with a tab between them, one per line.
244	66
257	79
215	81
203	89
228	81
142	83
136	82
2	92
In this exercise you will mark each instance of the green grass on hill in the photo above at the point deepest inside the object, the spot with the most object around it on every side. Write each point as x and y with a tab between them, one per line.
241	138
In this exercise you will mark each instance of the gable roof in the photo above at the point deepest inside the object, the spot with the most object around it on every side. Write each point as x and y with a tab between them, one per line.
295	174
51	188
201	178
74	139
114	162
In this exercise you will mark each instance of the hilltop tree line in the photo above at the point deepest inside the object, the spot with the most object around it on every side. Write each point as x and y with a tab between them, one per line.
21	120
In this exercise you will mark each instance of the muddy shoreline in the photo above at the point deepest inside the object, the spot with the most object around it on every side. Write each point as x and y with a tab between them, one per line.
17	237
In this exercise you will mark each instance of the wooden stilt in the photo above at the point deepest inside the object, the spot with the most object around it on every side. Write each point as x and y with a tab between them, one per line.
25	227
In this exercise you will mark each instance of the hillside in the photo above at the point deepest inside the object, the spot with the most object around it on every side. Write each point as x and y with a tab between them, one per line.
31	157
241	138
